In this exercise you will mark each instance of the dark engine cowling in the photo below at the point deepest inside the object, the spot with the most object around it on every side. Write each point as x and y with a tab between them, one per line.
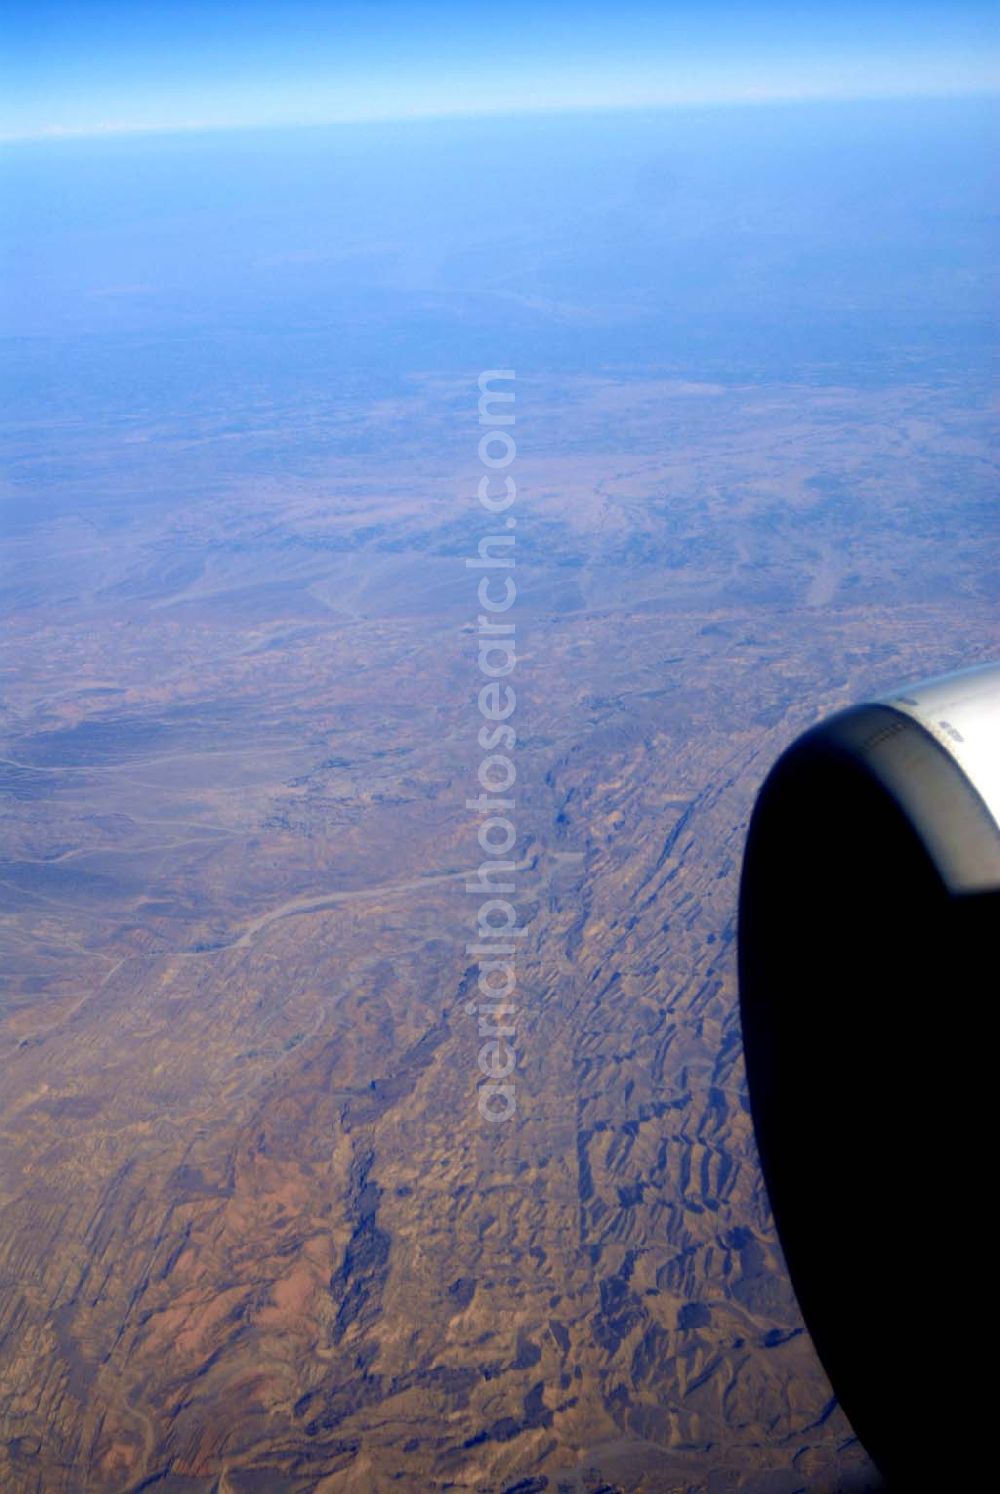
869	912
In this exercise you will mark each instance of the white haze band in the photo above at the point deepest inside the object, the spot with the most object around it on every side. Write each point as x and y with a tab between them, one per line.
497	930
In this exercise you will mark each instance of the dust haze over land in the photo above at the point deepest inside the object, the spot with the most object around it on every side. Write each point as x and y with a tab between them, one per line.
253	1235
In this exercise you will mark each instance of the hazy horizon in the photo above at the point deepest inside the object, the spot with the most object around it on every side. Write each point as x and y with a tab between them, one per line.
109	68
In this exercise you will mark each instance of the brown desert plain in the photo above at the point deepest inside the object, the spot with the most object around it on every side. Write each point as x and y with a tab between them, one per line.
254	1235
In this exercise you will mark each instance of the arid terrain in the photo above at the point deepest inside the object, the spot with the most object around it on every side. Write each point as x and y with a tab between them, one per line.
254	1235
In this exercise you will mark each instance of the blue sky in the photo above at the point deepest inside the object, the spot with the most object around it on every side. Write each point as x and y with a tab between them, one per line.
88	68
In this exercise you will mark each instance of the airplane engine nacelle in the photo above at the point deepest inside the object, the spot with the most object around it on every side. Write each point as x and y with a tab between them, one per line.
869	914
